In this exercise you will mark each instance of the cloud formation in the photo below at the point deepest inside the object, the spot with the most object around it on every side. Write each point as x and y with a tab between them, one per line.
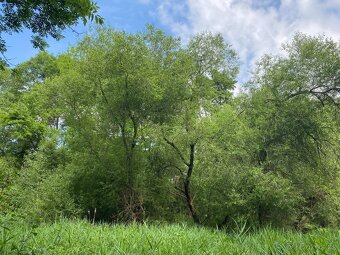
252	27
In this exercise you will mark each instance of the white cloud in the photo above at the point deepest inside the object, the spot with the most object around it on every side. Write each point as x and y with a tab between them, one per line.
252	27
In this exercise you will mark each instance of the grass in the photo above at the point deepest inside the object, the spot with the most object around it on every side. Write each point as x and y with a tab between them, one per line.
81	237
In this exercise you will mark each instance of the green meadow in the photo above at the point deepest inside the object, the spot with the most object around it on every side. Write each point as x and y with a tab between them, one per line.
82	237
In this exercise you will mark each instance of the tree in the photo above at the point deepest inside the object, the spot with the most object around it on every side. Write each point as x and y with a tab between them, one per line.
23	118
293	108
36	70
310	70
43	18
208	69
290	94
112	85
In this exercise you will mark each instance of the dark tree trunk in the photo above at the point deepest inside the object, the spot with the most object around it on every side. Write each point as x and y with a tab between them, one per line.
189	201
186	178
187	185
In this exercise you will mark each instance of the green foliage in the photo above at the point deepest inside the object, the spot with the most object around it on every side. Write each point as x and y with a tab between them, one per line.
293	109
102	195
20	132
49	200
44	18
134	127
81	237
8	175
39	68
228	188
41	189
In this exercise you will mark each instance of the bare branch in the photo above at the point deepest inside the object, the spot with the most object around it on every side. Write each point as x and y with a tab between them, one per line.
177	151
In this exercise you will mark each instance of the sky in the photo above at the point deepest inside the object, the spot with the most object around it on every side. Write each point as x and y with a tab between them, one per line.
252	27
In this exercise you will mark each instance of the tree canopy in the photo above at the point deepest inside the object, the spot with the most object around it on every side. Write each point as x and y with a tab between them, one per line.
43	19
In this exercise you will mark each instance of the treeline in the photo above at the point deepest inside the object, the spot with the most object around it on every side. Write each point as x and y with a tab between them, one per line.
132	127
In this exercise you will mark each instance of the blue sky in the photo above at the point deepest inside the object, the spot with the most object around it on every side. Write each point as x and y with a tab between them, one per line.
252	27
128	15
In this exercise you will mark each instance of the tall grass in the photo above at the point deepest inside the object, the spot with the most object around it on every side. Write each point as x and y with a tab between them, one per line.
81	237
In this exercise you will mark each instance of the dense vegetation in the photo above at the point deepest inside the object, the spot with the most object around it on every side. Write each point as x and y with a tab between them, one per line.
80	237
133	127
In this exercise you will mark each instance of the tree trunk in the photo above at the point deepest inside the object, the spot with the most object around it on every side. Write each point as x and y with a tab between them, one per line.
189	201
186	177
187	185
133	210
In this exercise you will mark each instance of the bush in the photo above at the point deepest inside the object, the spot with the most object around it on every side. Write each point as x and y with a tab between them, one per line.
41	191
248	195
8	175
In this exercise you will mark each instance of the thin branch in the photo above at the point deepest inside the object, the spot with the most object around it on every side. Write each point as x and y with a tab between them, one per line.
177	150
180	190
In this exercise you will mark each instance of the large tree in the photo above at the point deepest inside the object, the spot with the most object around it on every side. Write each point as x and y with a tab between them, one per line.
294	110
112	85
208	71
